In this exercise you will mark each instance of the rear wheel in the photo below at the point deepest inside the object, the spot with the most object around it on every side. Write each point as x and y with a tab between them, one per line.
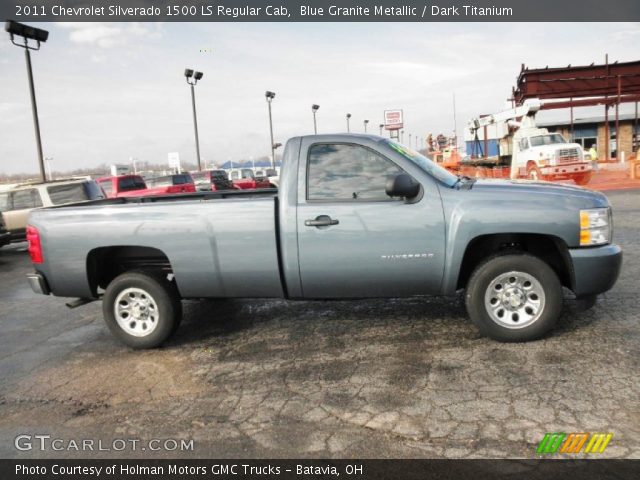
142	309
514	298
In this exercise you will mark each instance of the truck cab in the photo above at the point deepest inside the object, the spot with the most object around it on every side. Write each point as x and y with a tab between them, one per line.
540	155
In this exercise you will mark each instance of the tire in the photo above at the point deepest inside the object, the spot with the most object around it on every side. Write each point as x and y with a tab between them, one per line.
530	306
582	179
152	304
533	172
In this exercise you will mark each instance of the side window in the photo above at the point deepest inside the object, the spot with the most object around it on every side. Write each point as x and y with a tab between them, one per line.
24	199
339	172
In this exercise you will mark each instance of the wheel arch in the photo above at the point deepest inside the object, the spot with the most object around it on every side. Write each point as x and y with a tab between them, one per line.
103	264
552	250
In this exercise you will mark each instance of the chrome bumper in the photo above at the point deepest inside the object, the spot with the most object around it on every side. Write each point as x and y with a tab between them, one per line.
582	167
38	283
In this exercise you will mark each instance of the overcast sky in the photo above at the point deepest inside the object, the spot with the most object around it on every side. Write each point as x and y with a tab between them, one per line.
108	92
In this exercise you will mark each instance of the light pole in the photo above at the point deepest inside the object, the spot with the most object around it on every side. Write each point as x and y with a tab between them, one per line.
381	127
49	171
365	125
270	96
314	109
40	36
348	117
409	140
401	136
189	75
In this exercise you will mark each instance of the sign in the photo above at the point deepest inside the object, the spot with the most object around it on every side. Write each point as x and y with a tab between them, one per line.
119	169
174	160
393	120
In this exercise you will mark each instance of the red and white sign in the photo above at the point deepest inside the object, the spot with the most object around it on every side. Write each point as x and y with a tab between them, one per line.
393	120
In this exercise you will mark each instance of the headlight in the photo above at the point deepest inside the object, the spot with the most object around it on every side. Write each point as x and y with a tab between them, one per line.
595	226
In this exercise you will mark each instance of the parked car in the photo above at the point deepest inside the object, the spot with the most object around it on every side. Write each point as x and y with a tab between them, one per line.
123	186
357	216
270	174
176	183
19	201
212	180
245	179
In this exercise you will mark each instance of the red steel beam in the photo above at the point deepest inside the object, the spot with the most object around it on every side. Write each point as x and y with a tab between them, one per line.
590	102
578	82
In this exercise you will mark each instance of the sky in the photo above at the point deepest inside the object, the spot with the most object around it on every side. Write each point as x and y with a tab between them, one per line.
108	92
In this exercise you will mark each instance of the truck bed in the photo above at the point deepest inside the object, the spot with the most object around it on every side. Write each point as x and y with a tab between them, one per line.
215	248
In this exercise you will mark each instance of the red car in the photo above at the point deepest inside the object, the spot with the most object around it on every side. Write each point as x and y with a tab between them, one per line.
135	186
245	179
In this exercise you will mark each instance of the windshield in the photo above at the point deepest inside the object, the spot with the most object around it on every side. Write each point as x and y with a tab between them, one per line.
424	163
550	139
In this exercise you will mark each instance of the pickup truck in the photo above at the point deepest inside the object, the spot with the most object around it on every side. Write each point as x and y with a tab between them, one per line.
135	185
355	217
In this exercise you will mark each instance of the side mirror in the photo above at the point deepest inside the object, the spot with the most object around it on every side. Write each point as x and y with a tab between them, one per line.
402	185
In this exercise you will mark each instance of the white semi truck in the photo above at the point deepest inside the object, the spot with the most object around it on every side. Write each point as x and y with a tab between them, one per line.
512	138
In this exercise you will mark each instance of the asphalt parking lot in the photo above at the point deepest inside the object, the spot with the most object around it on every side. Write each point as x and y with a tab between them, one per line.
367	379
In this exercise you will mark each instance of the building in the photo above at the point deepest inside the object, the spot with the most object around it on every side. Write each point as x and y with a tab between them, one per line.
591	130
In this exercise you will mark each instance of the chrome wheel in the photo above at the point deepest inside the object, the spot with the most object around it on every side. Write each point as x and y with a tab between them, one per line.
136	312
514	299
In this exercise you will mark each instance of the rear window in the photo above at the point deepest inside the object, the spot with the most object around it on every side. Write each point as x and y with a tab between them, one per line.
220	174
182	179
107	185
159	182
127	184
74	192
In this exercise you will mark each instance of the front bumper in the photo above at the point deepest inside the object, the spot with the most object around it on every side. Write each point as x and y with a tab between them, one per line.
38	283
595	269
567	169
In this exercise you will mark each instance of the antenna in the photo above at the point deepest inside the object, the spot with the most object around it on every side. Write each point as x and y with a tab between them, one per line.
455	125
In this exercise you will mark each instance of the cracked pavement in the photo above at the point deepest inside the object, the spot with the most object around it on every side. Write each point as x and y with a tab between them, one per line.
367	379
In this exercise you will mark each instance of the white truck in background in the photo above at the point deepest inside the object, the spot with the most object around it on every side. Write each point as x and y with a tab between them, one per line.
531	152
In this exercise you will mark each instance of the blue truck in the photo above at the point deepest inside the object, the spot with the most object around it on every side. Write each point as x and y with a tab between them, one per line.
355	217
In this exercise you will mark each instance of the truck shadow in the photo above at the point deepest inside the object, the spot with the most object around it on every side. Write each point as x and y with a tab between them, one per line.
205	320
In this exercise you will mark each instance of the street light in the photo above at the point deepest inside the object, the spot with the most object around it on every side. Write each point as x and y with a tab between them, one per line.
381	127
192	79
314	109
401	136
365	125
270	96
348	117
49	171
39	36
409	140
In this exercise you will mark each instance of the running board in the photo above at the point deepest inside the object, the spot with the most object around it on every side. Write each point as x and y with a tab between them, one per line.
78	302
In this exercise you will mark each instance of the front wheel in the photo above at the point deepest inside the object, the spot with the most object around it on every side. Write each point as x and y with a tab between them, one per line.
534	173
582	178
514	298
142	310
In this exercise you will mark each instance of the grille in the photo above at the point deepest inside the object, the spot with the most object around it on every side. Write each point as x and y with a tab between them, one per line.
568	155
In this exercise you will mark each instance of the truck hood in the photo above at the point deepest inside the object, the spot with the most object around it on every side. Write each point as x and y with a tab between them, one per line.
547	190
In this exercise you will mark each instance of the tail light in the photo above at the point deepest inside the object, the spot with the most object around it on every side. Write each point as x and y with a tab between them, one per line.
35	246
174	189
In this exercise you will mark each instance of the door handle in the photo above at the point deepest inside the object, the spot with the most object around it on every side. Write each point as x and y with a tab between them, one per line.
321	221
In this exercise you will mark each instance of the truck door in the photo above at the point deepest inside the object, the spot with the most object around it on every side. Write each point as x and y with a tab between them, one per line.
354	240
